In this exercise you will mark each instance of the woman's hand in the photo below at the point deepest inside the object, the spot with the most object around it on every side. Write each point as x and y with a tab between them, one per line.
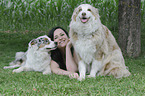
69	44
74	75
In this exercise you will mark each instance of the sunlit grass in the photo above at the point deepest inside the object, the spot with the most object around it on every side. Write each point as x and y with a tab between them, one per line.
36	84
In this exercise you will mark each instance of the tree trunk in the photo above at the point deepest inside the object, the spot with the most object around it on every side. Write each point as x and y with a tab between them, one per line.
129	16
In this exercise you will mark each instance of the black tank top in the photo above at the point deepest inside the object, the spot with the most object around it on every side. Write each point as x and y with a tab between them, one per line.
58	58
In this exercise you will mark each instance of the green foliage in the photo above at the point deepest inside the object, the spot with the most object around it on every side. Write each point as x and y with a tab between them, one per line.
43	14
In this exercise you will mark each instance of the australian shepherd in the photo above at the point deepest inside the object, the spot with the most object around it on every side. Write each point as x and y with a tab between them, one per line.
96	47
37	57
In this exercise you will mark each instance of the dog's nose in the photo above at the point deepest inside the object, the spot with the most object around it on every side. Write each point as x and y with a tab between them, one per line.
83	14
55	43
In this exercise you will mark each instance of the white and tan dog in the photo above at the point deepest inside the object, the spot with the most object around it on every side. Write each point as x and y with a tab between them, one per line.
96	47
38	55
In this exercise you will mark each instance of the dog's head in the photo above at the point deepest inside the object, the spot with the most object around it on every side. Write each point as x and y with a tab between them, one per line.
85	13
43	43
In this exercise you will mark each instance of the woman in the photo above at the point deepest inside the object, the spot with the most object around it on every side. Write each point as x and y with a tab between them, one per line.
63	58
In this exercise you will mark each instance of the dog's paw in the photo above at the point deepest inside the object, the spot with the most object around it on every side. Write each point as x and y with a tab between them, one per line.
81	79
5	67
16	71
90	76
99	74
45	73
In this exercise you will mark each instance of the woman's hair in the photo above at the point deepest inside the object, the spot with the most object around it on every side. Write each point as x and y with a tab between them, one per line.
56	54
51	32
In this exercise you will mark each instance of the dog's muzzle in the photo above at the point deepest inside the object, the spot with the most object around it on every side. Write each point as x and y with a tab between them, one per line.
83	18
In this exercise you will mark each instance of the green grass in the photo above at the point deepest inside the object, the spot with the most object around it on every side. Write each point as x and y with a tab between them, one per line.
36	84
23	20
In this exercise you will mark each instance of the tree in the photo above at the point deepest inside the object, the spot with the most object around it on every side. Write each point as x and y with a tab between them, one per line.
129	18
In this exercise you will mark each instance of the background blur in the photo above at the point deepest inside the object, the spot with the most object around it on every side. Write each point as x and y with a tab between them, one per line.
39	16
45	14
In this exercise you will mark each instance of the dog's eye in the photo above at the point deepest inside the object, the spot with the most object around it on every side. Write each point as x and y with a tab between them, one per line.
80	10
40	40
46	41
89	9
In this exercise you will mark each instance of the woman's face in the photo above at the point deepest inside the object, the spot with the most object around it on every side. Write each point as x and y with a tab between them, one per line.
61	38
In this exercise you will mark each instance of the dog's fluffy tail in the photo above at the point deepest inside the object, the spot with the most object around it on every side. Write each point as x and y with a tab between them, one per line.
19	57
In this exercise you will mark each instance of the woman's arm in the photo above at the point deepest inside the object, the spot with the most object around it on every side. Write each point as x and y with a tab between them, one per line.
55	69
70	60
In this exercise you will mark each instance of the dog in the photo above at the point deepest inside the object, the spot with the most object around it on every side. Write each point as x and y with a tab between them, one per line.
38	55
95	46
20	58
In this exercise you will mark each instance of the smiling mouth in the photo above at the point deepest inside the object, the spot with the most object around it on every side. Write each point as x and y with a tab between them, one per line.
84	19
61	42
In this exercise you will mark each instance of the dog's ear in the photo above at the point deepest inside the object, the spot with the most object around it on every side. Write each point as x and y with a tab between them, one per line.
95	12
32	42
75	13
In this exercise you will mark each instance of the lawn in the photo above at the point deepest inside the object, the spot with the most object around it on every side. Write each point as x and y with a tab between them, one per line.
23	20
36	84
